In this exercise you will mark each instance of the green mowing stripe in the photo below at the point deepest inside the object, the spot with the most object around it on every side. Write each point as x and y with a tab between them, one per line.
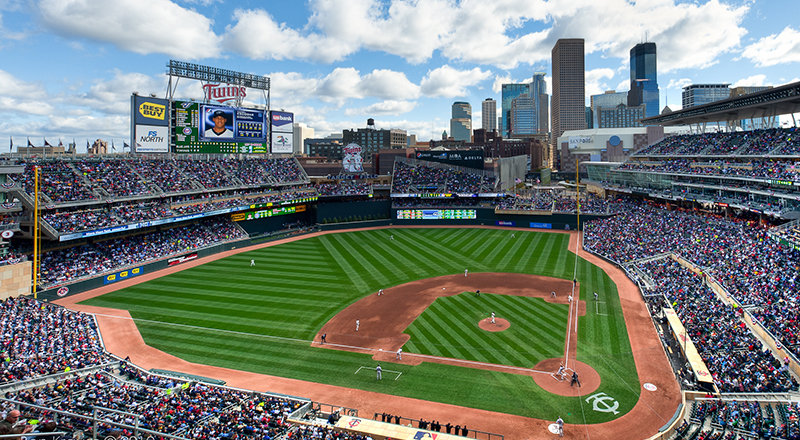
451	238
414	253
358	282
402	262
358	258
490	249
382	264
564	259
295	288
425	244
531	240
513	252
542	254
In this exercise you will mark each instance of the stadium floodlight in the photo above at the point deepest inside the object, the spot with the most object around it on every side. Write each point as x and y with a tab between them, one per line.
183	69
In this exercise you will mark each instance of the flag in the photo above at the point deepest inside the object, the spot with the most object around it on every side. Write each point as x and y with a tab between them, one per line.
29	142
125	145
113	148
46	144
60	144
11	143
516	180
87	145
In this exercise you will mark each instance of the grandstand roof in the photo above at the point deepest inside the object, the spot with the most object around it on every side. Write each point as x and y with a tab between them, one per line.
771	102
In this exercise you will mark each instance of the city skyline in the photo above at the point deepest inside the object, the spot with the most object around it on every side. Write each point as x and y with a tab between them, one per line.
71	66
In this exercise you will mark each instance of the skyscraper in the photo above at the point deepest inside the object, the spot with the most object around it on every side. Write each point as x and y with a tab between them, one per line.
568	108
523	115
489	114
699	94
644	79
509	92
542	102
461	122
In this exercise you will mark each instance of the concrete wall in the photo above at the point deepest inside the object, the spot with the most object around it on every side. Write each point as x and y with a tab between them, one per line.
15	279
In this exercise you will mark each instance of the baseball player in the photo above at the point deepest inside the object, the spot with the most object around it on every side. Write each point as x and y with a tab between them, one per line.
252	263
378	371
399	356
358	324
465	272
380	292
492	317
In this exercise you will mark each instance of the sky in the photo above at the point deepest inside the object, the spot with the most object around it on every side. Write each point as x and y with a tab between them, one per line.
68	67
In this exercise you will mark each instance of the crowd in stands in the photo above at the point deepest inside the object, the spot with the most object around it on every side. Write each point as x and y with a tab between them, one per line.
748	419
555	201
344	189
731	352
783	141
65	265
779	169
409	178
755	269
41	339
63	181
120	213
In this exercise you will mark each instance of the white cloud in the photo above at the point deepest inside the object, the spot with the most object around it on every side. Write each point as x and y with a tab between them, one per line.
383	108
14	106
387	84
10	86
139	26
755	80
257	35
113	96
775	49
447	82
679	83
594	81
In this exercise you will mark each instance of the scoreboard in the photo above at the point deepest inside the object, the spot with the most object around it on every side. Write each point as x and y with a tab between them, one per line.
249	129
436	214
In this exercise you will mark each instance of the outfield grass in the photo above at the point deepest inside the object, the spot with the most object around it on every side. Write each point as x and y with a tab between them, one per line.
262	318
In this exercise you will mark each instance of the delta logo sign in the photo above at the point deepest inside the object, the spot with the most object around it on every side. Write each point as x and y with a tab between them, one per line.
224	93
152	110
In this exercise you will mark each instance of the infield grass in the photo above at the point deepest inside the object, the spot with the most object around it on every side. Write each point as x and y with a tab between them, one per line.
262	318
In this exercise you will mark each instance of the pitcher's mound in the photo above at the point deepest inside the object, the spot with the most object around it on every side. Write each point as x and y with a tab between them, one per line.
499	325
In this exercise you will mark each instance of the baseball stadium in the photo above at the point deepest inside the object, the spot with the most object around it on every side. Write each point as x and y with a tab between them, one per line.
229	290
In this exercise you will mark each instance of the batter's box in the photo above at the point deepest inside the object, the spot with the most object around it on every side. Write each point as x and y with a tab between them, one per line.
600	308
387	373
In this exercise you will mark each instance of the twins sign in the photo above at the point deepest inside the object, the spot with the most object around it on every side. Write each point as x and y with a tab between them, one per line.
352	160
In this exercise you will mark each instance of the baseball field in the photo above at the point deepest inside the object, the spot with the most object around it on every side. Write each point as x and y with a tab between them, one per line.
268	317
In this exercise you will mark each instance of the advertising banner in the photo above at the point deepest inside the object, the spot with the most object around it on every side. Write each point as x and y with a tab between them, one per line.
181	259
579	141
352	161
122	275
282	122
282	142
462	158
151	139
150	111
